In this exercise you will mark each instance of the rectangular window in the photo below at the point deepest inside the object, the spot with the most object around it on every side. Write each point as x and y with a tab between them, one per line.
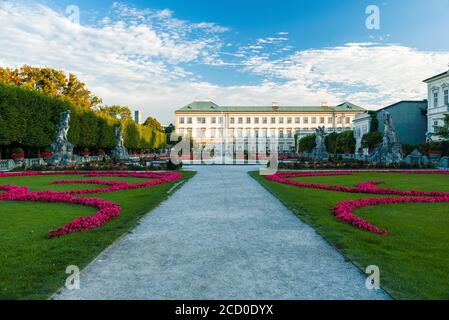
289	133
281	133
231	120
340	120
435	99
264	120
306	120
329	120
289	120
348	120
213	120
313	119
446	97
322	120
273	120
281	120
248	133
181	120
256	120
240	120
297	120
248	120
212	133
240	133
220	120
189	120
273	133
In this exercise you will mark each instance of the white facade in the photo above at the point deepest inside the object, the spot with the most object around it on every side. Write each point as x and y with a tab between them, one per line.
216	124
438	97
362	124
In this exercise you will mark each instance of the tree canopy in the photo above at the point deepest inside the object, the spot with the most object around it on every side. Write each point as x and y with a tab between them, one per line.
51	82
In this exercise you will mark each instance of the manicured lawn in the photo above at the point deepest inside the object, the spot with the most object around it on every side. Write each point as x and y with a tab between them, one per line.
32	267
413	259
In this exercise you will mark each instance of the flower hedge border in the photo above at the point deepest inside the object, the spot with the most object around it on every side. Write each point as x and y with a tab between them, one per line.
344	211
108	210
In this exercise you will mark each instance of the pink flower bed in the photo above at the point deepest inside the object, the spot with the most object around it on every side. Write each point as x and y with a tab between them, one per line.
344	211
107	210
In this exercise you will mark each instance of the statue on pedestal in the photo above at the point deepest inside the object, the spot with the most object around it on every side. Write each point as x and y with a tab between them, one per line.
62	149
390	151
119	153
320	151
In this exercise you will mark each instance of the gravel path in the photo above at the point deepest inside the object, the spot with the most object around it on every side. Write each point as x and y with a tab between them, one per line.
221	236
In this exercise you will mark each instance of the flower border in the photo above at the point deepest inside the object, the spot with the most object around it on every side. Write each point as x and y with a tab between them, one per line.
344	211
108	210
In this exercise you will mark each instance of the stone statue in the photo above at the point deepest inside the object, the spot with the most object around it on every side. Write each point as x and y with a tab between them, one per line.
320	151
62	149
390	151
119	153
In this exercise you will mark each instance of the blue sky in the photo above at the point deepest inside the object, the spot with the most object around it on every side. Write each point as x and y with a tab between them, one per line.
159	55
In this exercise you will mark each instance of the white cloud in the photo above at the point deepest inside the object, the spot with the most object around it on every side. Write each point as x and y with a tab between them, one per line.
144	58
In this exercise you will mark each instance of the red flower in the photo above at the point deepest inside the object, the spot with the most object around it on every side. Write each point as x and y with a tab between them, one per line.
107	210
344	210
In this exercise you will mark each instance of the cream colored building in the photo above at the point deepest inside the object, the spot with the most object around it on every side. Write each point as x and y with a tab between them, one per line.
438	102
207	122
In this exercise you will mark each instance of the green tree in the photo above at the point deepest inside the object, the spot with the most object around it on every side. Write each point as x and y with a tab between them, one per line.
117	111
372	139
51	82
307	143
331	142
346	142
443	131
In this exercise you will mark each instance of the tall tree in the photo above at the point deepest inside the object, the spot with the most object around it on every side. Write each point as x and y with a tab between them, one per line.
51	82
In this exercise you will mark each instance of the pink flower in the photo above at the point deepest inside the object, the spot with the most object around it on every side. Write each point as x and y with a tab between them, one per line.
108	210
343	211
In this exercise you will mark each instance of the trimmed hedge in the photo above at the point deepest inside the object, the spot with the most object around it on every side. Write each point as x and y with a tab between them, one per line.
29	119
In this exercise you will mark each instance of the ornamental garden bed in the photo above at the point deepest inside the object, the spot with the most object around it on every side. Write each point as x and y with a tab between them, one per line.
397	220
51	220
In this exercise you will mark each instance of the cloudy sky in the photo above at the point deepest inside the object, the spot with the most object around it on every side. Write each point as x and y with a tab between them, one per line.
159	55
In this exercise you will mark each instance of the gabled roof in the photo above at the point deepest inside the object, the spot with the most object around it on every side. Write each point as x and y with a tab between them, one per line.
441	75
209	106
423	102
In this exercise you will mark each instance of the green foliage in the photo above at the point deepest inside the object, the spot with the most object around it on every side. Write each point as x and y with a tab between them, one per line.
374	122
307	143
443	131
52	82
29	118
372	139
331	142
345	142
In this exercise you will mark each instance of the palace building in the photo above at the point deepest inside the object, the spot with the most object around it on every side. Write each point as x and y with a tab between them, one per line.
209	123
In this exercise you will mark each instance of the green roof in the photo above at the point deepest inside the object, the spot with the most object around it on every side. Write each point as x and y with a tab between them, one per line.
209	106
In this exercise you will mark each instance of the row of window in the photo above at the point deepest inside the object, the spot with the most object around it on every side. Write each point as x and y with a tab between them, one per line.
241	133
436	95
264	120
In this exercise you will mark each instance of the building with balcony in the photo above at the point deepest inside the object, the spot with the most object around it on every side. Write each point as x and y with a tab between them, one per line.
438	102
209	123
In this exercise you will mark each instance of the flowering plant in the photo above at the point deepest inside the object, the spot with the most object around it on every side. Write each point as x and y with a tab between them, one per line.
343	211
108	210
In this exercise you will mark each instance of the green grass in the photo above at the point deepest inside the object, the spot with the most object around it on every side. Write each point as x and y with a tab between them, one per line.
32	267
413	259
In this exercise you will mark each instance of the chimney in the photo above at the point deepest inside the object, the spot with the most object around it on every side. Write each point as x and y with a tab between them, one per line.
137	116
275	106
